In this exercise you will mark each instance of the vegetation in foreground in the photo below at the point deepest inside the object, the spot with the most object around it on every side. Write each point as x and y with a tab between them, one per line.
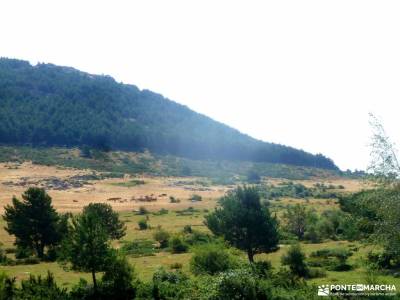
216	267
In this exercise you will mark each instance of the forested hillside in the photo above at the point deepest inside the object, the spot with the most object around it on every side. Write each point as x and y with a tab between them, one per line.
48	105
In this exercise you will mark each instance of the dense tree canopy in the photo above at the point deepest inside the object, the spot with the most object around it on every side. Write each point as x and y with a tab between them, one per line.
87	247
244	222
50	105
33	221
109	219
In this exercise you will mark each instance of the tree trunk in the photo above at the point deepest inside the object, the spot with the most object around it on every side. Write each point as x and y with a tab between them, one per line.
40	250
250	255
94	281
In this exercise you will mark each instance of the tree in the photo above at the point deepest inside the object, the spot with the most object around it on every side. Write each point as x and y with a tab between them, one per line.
110	220
384	163
296	220
253	177
162	237
178	245
119	280
87	246
295	259
33	221
376	212
244	222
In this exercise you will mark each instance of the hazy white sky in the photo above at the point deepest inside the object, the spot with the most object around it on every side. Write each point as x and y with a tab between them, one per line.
300	73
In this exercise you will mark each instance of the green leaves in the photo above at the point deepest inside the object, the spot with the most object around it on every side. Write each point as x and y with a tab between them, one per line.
244	222
33	221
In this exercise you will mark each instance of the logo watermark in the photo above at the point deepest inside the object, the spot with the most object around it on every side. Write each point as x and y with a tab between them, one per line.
356	290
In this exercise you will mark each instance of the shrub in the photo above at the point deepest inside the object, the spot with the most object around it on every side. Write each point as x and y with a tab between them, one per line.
41	288
262	269
295	259
22	252
138	248
176	266
161	212
316	273
119	280
162	237
333	259
143	224
195	198
143	210
187	229
253	177
3	257
312	235
178	245
341	253
172	199
211	259
187	212
236	284
10	250
198	237
7	287
170	285
379	260
28	261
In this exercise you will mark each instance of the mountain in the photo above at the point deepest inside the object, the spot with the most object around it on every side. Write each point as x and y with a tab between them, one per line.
48	105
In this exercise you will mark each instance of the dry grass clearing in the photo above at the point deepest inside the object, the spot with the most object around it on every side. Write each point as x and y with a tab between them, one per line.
119	192
127	194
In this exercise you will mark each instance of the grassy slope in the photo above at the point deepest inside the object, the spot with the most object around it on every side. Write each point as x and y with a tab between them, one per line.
133	163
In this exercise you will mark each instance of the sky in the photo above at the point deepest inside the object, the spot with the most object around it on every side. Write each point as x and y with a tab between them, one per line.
299	73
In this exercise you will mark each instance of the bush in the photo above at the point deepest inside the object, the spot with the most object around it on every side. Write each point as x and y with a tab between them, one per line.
41	288
176	266
253	177
187	212
139	248
295	259
10	250
262	269
198	237
333	259
162	211
187	229
28	261
22	252
162	237
143	210
195	198
178	245
7	287
312	235
238	284
143	224
172	199
119	281
211	259
341	253
316	273
170	285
